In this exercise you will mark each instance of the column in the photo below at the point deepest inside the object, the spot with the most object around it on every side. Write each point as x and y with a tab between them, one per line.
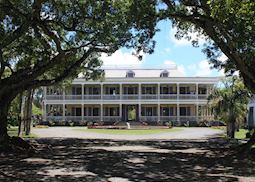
102	91
120	91
158	112
158	90
64	112
82	112
82	91
197	106
64	93
178	114
197	90
44	111
139	92
140	111
101	112
120	110
178	105
45	93
178	91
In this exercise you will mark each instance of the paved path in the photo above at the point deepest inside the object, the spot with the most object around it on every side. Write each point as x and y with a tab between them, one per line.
73	132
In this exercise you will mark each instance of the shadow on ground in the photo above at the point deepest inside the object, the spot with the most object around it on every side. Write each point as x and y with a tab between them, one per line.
109	160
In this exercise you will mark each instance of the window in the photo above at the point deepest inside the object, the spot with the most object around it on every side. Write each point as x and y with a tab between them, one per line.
201	90
130	74
184	111
184	90
164	73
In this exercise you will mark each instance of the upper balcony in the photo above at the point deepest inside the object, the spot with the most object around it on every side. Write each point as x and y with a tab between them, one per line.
129	92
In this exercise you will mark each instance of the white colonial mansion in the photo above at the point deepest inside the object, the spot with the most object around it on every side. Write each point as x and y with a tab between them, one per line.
125	94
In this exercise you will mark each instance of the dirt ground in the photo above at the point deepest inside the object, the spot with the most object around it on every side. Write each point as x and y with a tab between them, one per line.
74	132
70	159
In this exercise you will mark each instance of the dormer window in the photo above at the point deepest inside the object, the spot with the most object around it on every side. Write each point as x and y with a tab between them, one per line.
130	74
164	73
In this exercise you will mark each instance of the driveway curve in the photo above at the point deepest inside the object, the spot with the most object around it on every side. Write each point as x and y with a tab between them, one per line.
74	132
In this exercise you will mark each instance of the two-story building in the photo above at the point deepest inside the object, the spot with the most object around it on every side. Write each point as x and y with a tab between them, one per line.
125	94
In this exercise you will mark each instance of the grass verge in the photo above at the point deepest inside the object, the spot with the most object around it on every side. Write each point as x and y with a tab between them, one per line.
13	131
130	132
241	134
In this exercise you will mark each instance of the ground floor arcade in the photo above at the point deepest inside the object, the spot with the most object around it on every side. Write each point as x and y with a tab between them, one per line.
127	112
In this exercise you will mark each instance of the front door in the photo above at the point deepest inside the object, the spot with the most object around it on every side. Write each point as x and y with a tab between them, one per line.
131	113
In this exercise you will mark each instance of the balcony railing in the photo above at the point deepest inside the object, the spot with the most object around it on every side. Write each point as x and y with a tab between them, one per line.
111	97
92	118
128	97
168	118
91	97
188	118
149	118
168	96
111	118
73	118
73	97
187	96
149	96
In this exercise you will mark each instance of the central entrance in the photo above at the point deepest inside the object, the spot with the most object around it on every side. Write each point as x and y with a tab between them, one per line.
130	113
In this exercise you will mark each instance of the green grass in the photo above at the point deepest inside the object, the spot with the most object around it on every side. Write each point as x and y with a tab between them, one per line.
13	131
130	132
241	134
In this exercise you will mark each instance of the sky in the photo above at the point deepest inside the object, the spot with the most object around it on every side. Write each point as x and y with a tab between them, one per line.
169	51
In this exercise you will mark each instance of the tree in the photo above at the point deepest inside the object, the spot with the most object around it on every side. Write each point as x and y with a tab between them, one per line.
45	41
230	29
229	103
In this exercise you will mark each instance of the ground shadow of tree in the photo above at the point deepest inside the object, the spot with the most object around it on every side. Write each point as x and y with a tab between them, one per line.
110	160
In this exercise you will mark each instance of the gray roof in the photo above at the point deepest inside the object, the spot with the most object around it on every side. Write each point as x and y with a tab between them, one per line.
141	73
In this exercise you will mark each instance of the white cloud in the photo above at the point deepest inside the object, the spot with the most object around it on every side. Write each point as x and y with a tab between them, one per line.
120	58
183	41
180	68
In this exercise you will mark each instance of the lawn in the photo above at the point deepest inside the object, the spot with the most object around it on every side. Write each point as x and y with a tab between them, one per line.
13	131
241	134
130	132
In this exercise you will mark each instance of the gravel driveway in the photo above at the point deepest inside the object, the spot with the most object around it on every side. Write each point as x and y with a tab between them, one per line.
73	132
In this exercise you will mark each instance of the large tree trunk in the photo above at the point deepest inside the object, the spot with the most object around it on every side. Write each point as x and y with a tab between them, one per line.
231	129
29	111
4	107
22	114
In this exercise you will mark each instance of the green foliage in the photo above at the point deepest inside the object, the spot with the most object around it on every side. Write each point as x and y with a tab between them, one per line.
36	110
48	41
229	101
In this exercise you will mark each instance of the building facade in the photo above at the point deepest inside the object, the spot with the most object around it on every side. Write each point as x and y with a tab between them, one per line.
140	95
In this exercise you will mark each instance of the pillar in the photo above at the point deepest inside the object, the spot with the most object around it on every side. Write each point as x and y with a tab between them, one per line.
158	112
101	112
82	91
197	113
120	91
102	91
44	111
178	91
197	90
82	112
178	114
140	111
120	110
64	93
64	112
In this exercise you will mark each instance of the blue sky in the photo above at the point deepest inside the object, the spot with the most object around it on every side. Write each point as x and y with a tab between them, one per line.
168	51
